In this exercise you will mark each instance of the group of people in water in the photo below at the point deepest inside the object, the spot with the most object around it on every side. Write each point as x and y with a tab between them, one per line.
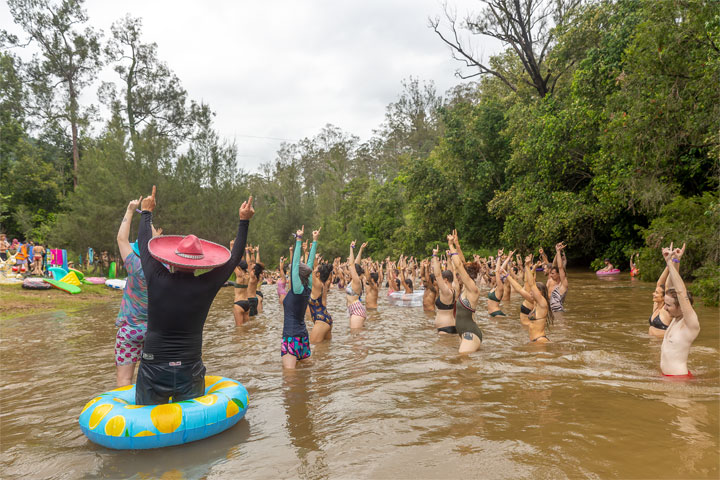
172	281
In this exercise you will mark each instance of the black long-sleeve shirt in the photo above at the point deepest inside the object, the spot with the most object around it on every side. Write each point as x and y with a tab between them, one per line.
178	303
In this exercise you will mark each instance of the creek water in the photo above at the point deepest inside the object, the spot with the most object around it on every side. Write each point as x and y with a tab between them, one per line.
393	400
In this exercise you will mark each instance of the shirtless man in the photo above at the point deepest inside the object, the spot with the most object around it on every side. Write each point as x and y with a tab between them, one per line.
684	327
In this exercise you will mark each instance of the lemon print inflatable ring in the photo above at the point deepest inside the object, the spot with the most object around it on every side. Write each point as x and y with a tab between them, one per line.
112	419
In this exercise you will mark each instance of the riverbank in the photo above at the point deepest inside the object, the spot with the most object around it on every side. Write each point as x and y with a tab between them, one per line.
16	301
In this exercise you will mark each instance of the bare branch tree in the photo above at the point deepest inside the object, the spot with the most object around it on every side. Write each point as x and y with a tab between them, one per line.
525	26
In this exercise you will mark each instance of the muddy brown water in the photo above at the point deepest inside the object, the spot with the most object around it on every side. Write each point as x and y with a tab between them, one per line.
393	400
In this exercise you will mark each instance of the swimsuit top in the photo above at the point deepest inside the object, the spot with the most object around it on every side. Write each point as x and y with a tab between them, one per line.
349	290
532	317
442	306
657	323
492	296
463	319
556	300
525	310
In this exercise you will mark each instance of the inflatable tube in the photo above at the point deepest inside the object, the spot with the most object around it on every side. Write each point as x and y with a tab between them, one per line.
115	283
611	272
401	299
35	283
78	273
57	272
113	420
65	287
95	280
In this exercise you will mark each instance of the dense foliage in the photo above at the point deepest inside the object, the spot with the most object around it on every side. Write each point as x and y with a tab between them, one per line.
619	152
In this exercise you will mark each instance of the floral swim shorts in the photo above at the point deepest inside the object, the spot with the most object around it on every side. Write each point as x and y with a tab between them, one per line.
129	344
297	346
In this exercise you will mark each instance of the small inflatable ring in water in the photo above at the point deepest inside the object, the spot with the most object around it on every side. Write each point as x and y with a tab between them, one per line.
113	420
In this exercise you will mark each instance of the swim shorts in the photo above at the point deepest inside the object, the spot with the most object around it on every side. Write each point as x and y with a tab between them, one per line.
158	382
319	311
297	346
128	344
357	309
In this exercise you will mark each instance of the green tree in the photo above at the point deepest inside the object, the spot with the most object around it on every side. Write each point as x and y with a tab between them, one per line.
68	58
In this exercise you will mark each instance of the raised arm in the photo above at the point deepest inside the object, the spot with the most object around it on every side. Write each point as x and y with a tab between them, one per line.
468	282
223	272
352	261
149	264
519	288
313	250
443	288
560	263
456	241
297	285
663	278
359	254
689	314
123	235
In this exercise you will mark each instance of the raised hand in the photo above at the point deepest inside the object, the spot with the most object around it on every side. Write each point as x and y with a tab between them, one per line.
316	234
678	252
300	232
148	203
134	204
246	209
529	259
667	252
363	245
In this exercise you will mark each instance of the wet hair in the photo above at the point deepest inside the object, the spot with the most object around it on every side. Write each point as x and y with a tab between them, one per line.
243	265
448	275
472	269
324	272
304	272
359	269
432	277
555	269
374	276
258	269
408	282
397	283
671	292
544	291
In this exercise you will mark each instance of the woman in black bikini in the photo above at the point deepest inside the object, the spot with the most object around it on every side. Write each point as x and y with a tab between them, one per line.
660	318
495	295
470	333
241	307
445	301
541	314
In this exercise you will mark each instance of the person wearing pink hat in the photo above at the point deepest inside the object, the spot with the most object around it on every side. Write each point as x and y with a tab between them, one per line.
178	303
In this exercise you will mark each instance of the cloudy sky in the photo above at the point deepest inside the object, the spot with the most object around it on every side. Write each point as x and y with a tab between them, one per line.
281	69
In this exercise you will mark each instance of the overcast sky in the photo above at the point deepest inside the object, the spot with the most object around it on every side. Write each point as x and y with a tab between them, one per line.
284	69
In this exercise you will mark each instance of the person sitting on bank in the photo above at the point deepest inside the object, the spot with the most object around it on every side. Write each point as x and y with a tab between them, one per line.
178	303
684	327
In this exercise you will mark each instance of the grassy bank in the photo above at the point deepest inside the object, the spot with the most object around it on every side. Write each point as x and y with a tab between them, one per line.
16	301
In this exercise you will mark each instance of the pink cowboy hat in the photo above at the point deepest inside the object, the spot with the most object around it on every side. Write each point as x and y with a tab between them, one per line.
188	252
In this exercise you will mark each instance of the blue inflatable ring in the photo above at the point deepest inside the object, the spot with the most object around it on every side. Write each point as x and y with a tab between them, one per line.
113	420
